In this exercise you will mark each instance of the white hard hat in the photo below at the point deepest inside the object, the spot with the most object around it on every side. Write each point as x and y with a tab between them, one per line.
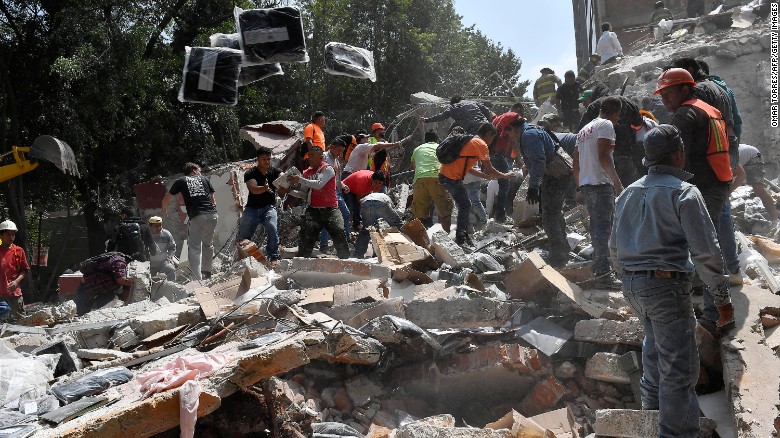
8	225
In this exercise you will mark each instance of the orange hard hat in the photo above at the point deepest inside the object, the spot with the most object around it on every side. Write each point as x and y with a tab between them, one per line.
376	126
674	76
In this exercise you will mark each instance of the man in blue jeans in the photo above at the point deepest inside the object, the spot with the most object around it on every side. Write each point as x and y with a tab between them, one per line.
373	207
598	183
333	157
261	203
662	231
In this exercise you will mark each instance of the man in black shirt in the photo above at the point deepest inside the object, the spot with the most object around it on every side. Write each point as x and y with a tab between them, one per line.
567	95
261	203
198	195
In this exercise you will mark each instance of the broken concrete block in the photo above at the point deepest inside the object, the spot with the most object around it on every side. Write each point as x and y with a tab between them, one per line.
731	46
328	272
637	424
102	354
170	290
395	250
38	318
361	390
608	332
544	395
726	54
765	40
164	318
392	306
616	78
566	370
125	337
460	312
535	280
64	311
447	251
486	263
359	291
606	367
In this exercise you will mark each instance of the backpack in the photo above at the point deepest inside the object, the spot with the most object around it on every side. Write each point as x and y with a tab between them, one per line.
449	149
90	265
129	240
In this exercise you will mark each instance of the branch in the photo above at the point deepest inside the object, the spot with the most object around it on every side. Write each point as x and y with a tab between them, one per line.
11	23
161	27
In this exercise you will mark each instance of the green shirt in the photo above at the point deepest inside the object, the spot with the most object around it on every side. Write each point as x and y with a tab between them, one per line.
426	165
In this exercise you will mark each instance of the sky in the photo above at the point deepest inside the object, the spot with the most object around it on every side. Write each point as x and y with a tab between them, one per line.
541	33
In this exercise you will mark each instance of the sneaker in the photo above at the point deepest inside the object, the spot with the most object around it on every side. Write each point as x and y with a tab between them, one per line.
607	281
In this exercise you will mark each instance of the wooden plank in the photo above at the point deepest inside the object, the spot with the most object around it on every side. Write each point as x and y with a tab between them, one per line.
207	302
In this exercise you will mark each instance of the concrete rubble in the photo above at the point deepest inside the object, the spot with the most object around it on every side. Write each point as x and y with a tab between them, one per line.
427	338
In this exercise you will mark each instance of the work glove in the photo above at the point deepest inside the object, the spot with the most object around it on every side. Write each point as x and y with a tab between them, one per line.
726	317
533	197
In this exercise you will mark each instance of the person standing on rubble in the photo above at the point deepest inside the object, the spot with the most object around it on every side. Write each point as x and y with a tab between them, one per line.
313	136
627	155
546	189
426	186
750	159
703	133
568	94
260	206
505	144
373	207
198	194
587	70
132	237
102	282
166	250
13	269
661	233
333	157
318	187
661	12
451	176
545	87
608	47
467	114
598	184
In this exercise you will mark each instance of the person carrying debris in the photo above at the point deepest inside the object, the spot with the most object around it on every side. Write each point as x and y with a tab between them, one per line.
260	206
598	184
198	194
501	150
162	262
703	133
426	186
539	150
661	233
104	276
451	176
318	187
608	47
467	114
627	155
313	136
373	207
360	184
545	87
333	157
750	159
661	12
567	95
132	237
13	269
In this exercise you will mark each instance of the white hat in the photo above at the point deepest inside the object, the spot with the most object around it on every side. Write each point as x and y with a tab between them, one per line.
8	225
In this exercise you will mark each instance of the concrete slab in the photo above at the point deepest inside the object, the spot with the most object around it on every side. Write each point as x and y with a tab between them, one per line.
329	272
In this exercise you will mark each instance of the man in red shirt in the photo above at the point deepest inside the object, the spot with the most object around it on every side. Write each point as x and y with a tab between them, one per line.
360	184
13	269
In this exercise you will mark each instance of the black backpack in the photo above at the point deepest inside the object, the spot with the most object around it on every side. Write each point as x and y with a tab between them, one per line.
129	240
449	149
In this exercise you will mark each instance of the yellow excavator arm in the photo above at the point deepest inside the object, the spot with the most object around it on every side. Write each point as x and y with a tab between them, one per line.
45	148
20	165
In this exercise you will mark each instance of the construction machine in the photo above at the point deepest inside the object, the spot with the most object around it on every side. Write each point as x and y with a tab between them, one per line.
45	148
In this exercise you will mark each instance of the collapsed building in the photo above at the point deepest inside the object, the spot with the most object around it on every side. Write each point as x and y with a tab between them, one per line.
423	339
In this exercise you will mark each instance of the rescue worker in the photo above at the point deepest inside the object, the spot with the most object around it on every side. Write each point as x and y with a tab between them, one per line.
568	94
162	262
501	152
608	46
426	186
103	283
661	12
313	136
260	206
360	184
360	157
703	133
333	157
13	269
132	237
373	207
587	70
467	114
318	187
545	87
661	233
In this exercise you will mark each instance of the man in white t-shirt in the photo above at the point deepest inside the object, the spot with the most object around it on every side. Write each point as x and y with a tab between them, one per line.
608	46
598	183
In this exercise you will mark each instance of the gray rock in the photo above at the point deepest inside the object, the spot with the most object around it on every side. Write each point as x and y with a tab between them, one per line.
726	54
765	41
